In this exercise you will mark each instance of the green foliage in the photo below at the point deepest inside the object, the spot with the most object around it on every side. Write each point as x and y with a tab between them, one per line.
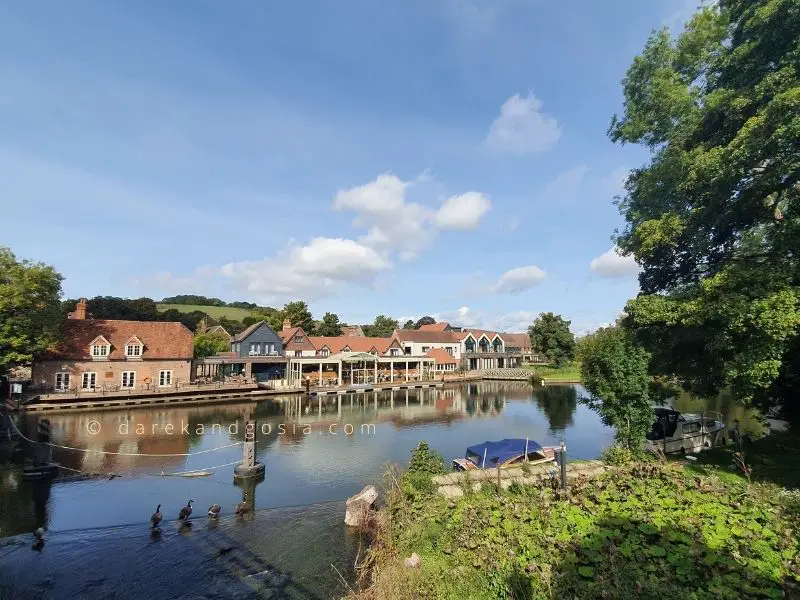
200	300
330	325
645	530
208	345
551	337
615	372
618	455
426	461
409	324
30	309
714	218
299	316
383	326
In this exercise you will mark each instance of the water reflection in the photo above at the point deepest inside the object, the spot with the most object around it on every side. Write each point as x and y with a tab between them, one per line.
558	403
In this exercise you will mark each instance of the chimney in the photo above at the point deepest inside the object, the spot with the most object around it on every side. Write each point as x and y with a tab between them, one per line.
287	324
80	310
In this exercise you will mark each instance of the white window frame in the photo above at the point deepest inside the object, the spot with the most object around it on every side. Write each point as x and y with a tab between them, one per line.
133	351
100	350
298	339
129	382
88	377
165	378
325	352
65	378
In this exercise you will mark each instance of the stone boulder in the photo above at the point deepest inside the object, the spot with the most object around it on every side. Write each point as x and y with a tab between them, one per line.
413	561
359	507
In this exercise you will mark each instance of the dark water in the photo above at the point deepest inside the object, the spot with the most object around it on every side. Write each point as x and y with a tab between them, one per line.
97	528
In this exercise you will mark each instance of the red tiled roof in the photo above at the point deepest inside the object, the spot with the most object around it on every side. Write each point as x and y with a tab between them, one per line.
161	339
288	335
420	336
516	340
442	356
434	327
356	344
477	333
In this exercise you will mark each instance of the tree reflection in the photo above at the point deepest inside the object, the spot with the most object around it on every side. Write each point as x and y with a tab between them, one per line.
558	403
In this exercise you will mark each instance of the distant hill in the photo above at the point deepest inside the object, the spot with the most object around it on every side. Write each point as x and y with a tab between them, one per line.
215	312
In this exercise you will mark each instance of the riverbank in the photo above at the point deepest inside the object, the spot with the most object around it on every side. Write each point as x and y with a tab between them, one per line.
569	373
645	530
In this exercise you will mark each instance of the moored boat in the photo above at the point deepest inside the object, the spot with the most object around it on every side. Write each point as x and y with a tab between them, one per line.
506	453
685	433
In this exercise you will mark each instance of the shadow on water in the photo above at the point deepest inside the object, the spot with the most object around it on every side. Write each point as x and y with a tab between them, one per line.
558	403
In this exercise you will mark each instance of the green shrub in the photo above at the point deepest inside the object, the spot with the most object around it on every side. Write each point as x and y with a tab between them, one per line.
425	460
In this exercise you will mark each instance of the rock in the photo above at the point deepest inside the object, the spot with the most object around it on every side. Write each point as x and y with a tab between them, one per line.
413	561
359	507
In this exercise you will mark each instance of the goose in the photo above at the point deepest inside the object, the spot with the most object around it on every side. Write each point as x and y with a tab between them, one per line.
155	520
186	512
214	510
242	507
38	544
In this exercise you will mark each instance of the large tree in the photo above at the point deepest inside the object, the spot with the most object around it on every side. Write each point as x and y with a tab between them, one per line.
206	344
383	326
30	309
551	337
330	325
409	324
615	371
714	217
299	316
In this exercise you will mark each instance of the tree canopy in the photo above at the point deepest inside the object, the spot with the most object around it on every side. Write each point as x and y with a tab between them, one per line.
551	337
30	309
382	326
206	344
714	217
298	314
330	325
615	371
409	324
424	321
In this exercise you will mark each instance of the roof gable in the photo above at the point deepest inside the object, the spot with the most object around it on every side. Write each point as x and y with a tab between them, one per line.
100	341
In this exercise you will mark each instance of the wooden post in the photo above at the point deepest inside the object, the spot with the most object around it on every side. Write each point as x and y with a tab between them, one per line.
499	488
563	459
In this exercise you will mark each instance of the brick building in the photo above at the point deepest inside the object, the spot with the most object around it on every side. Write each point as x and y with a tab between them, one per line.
96	354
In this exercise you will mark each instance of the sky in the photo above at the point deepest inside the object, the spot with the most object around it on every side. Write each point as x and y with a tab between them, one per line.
423	157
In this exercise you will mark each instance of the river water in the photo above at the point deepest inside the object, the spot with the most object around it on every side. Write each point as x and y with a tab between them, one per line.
317	453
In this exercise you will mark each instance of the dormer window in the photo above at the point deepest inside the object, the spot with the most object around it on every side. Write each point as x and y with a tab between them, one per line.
298	339
346	349
325	352
134	347
99	349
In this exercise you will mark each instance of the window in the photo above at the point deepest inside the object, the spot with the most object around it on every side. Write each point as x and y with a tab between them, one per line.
394	352
133	350
691	428
238	347
269	348
298	353
164	378
62	382
89	381
425	349
408	349
449	350
324	352
99	350
255	348
298	339
128	379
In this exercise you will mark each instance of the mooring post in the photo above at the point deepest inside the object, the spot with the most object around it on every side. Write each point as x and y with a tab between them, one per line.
249	467
563	460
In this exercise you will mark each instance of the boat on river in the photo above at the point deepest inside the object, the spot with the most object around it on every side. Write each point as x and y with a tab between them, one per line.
685	433
506	453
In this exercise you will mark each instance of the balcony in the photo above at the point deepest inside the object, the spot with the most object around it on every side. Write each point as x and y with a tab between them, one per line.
491	352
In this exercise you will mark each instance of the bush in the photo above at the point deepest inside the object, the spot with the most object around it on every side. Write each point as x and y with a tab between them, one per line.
617	455
427	461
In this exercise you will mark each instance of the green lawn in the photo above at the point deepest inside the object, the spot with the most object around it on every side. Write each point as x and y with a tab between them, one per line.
229	312
569	372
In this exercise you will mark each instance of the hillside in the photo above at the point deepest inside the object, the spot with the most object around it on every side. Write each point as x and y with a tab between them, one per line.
215	312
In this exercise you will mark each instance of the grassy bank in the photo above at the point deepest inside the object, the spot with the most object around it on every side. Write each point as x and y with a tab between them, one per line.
215	312
569	372
646	530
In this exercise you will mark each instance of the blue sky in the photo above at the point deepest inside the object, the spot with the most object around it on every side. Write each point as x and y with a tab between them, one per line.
437	157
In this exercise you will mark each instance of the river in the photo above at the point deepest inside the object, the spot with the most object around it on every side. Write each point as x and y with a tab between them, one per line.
317	453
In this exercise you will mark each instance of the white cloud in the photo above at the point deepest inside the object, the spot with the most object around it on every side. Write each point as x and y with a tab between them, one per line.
518	280
463	212
567	183
522	128
395	224
308	272
463	317
614	264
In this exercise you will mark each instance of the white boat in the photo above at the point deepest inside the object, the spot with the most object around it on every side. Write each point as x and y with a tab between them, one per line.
685	433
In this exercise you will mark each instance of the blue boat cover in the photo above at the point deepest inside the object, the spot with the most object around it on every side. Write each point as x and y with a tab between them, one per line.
498	453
